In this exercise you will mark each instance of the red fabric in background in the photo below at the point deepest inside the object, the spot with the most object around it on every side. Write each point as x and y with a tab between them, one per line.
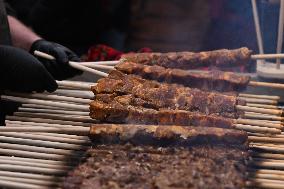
104	53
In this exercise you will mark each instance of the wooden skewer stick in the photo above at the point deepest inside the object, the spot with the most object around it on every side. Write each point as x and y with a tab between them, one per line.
258	123
46	102
75	118
267	84
26	122
74	85
264	183
15	184
268	148
26	105
52	121
40	183
70	130
266	144
31	169
268	181
47	138
50	111
260	110
268	164
110	63
32	160
75	65
39	149
80	83
75	93
34	164
267	56
257	129
250	115
68	136
265	139
262	106
97	66
266	171
266	160
280	33
23	153
277	98
268	121
41	143
268	156
267	176
29	175
259	101
50	97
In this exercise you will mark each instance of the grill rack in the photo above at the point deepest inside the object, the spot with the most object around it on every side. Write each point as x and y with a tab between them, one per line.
41	160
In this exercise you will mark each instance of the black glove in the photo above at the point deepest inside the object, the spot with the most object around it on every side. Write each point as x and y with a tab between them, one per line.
59	68
22	72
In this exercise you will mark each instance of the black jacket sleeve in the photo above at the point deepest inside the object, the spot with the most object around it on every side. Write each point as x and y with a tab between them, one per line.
10	11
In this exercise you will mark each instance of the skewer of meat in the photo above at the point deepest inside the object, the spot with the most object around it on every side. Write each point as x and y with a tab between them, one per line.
275	112
74	89
221	58
204	80
156	134
39	101
175	96
209	81
238	55
190	60
115	111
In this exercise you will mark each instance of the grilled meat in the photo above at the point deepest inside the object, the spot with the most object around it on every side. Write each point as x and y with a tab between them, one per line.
169	96
125	109
158	157
190	60
209	81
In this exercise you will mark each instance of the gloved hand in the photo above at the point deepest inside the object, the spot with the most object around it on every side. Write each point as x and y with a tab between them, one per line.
59	68
22	72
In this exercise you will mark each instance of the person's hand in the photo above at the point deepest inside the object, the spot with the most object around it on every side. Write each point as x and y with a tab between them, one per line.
59	68
22	72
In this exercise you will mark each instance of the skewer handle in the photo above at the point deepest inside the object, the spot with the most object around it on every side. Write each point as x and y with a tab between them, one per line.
267	56
260	110
266	84
72	64
64	130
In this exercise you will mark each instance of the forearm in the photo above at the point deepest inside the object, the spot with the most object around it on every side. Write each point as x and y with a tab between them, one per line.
22	36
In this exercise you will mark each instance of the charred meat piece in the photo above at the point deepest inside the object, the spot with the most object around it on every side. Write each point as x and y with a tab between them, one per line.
190	60
170	96
158	157
127	111
166	135
128	167
209	81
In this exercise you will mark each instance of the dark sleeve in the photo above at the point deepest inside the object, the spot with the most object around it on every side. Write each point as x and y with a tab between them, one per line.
9	9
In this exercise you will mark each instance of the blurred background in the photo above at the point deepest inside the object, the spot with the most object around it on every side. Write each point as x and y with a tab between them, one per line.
161	25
